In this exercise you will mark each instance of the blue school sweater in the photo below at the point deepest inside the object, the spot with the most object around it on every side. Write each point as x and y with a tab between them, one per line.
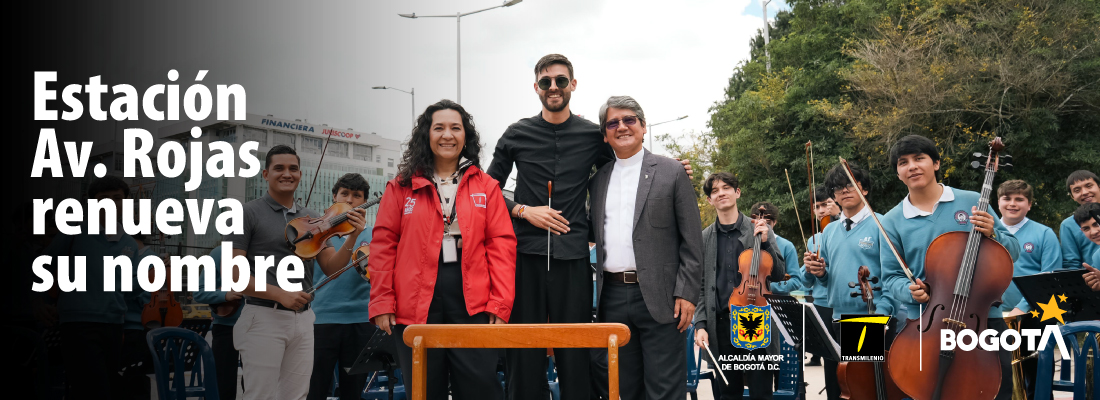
136	299
790	258
1040	252
1076	248
913	235
216	296
345	299
94	304
844	252
820	293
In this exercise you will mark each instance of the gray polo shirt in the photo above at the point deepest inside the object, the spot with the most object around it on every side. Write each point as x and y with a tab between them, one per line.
264	226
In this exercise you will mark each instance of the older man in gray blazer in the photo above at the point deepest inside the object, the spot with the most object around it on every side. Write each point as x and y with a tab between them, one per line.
649	246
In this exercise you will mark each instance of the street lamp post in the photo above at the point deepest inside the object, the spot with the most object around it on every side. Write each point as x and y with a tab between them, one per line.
458	24
653	125
767	58
411	92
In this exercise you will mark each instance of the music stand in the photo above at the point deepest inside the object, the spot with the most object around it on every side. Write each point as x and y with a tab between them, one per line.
1082	304
377	356
790	312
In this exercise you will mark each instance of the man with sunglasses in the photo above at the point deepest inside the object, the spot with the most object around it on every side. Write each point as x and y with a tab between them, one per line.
649	248
553	282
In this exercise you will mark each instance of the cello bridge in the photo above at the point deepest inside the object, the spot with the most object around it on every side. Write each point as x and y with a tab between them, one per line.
954	324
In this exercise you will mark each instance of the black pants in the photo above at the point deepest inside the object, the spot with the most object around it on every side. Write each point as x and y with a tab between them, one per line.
91	358
226	358
562	295
653	365
832	384
471	373
1005	357
338	343
759	382
135	362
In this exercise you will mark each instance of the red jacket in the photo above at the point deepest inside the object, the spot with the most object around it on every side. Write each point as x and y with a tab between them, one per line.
407	239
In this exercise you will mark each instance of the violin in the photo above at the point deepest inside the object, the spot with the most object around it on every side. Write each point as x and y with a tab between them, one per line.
966	272
755	266
307	236
162	309
361	254
824	221
866	380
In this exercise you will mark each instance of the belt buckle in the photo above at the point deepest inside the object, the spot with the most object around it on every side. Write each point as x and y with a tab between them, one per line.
628	274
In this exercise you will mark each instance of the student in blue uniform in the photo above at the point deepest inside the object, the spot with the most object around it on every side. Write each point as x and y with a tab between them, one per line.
1040	251
226	357
824	206
1084	188
851	241
1087	219
931	209
343	323
91	320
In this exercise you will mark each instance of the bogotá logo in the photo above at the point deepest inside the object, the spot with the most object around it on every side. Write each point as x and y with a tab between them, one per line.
1010	339
750	326
863	337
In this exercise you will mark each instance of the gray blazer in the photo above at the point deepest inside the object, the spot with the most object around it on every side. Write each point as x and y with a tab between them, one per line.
667	244
709	303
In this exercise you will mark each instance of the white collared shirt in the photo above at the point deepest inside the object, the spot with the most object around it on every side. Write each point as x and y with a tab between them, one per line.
911	211
859	217
1015	228
618	224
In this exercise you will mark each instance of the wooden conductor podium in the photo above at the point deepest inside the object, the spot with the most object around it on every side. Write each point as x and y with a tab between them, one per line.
514	336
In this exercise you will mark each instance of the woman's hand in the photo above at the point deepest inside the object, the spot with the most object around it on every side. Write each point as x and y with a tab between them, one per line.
494	319
385	322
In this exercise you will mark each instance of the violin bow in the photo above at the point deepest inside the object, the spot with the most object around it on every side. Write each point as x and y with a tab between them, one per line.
813	195
337	274
795	205
855	187
317	171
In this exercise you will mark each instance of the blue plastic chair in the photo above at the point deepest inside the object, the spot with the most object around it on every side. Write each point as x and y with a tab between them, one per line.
695	366
552	379
174	349
1045	383
379	389
790	374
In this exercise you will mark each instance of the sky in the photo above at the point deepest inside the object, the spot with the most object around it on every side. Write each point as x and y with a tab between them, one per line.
319	61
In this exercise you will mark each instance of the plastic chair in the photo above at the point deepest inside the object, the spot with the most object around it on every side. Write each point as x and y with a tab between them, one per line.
695	366
1045	383
379	389
175	350
790	374
552	379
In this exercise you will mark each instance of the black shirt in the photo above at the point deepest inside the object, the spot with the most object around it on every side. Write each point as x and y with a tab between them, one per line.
729	247
565	154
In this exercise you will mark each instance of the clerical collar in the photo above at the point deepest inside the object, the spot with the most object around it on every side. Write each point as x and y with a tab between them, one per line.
632	160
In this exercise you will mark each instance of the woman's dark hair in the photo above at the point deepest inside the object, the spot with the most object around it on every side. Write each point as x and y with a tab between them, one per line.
418	157
353	182
913	144
726	177
836	178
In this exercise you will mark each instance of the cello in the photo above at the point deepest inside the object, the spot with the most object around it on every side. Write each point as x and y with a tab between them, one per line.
866	380
755	266
307	236
966	272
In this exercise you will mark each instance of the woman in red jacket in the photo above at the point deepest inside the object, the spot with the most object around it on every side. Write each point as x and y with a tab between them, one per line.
443	251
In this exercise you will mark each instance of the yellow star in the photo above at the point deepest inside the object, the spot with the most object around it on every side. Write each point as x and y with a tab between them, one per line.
1034	313
1051	310
1062	297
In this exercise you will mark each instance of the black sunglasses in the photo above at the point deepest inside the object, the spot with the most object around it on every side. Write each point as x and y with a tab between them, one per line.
562	82
629	120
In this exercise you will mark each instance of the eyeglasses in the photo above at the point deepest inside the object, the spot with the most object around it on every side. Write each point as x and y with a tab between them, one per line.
561	81
768	218
845	188
629	120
